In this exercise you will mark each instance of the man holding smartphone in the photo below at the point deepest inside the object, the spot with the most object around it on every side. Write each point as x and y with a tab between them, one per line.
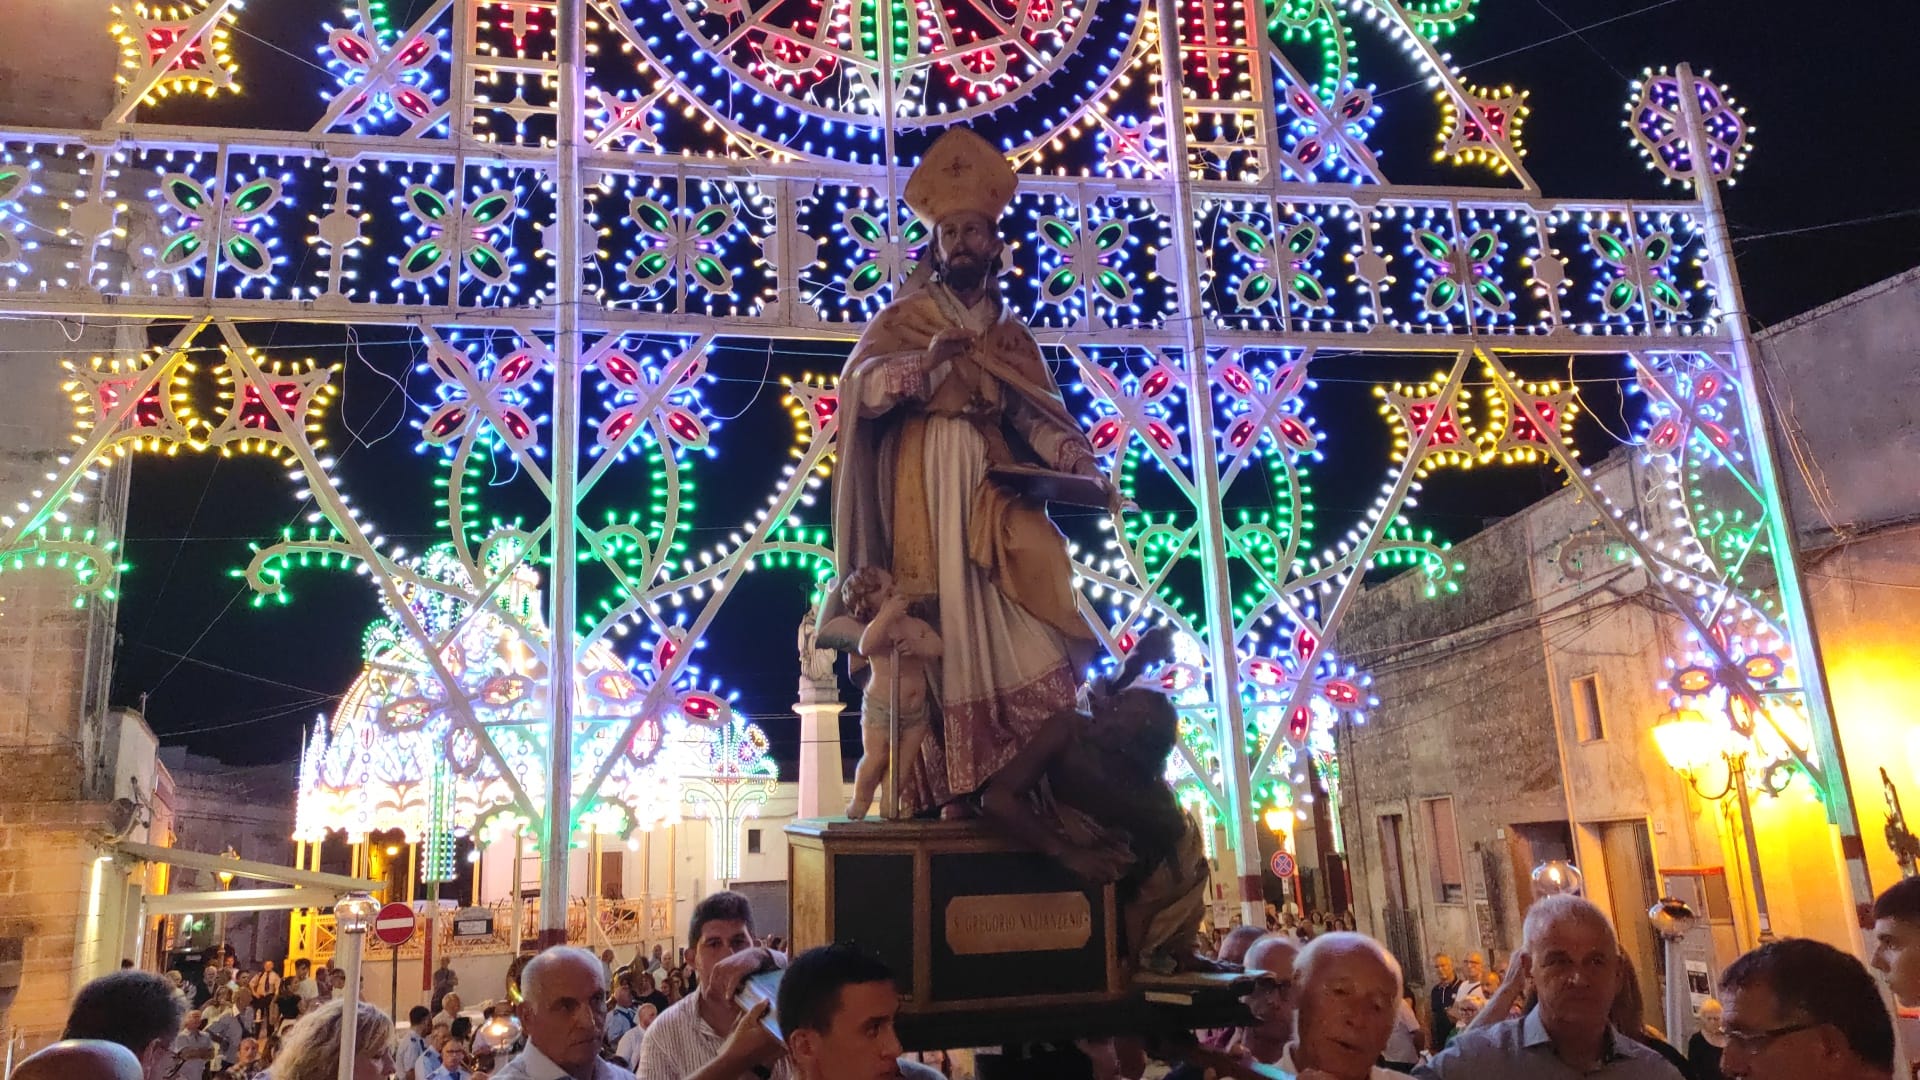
707	1035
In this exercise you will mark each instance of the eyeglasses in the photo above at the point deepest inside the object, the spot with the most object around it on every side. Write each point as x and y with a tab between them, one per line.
1271	986
1756	1042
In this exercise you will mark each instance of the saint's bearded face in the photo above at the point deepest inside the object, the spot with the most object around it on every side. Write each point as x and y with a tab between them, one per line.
966	249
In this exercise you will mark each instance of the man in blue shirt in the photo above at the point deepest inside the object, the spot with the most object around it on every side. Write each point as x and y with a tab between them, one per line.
623	1015
1573	956
414	1046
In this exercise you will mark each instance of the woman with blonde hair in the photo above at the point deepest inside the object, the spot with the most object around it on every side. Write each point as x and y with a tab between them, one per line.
312	1047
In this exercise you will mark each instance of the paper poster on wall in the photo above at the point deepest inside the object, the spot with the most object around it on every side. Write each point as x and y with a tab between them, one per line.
1699	983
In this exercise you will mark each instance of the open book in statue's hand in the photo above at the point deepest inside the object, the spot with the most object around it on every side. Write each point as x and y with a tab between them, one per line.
1047	485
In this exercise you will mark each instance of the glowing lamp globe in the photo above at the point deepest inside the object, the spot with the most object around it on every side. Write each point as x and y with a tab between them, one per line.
1555	878
354	913
1672	919
1688	741
1275	819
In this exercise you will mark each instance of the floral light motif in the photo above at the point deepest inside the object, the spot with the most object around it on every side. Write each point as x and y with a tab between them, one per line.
1640	269
1513	434
1136	406
176	47
881	258
684	243
1333	138
1460	266
381	81
1481	134
499	398
1657	122
238	228
1086	251
642	397
16	179
1284	271
473	226
1412	407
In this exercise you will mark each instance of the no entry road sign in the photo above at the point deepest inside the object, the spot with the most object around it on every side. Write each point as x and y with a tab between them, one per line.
394	925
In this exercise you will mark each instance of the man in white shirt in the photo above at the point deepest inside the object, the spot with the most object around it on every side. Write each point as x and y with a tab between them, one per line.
1348	989
304	983
563	1010
628	1049
193	1048
414	1046
707	1035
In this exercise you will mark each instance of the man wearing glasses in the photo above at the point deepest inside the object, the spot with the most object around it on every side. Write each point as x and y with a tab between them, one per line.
1272	1005
1574	959
1803	1010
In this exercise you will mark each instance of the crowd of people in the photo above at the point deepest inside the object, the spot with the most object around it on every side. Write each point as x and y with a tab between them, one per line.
1336	1006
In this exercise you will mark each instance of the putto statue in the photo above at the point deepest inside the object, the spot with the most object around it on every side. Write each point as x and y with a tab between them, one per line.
816	661
946	405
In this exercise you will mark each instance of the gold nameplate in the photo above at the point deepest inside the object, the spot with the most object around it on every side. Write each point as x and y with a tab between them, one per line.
1018	922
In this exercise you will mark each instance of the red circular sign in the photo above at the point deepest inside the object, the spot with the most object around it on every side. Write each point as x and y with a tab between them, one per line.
394	925
1282	864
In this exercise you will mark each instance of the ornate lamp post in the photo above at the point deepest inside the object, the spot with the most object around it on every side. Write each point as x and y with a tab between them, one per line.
220	925
352	918
1691	743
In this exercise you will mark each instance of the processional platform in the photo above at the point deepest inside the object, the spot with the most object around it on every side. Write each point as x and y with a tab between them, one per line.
992	943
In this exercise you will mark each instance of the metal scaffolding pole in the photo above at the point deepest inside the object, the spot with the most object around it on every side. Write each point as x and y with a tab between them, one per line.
1223	658
1835	793
566	443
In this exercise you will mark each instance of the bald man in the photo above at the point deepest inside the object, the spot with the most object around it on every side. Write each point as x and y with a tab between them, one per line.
563	1010
81	1059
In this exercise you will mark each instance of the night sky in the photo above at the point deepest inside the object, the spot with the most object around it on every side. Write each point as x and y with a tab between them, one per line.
1824	209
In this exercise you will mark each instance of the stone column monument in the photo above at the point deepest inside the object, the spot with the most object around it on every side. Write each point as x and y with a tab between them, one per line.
822	792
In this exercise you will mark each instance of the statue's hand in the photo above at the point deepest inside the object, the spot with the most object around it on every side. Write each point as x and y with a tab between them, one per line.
949	345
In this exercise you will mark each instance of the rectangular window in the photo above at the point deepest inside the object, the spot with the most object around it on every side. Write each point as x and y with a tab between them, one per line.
1587	724
753	841
613	875
1446	870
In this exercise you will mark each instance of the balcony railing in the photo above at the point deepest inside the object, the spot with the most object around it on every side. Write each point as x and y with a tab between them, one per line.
590	924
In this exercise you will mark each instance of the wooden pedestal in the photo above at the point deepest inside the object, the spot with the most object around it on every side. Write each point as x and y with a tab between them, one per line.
992	944
968	921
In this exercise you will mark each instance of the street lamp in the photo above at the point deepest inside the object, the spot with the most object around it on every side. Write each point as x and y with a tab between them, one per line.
220	924
352	918
1691	743
1673	920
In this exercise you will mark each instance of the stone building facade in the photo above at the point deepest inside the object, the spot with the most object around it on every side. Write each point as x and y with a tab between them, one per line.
63	908
246	809
1517	716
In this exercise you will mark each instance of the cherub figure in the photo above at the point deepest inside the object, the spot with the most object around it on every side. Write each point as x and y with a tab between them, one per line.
897	645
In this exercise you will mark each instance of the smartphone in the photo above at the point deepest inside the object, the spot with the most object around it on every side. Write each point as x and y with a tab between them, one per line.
764	986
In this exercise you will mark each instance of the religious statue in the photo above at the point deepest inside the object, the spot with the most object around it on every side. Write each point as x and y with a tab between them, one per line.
816	662
897	646
946	389
1107	813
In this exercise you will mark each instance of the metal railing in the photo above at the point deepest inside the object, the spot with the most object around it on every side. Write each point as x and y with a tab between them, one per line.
590	924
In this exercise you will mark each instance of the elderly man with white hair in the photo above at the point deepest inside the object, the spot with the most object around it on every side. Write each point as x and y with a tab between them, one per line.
1574	959
563	1010
1346	995
81	1059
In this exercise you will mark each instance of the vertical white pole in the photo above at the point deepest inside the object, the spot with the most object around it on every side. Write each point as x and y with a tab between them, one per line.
1780	534
568	209
350	1016
1222	656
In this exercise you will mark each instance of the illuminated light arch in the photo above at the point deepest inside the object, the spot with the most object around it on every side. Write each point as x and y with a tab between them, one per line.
1189	342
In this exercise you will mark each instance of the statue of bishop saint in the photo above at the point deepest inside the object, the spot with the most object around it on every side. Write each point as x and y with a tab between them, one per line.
945	385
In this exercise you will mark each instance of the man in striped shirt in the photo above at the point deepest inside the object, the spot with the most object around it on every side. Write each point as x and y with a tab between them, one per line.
707	1035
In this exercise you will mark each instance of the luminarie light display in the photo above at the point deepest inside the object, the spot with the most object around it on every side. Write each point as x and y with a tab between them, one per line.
1203	232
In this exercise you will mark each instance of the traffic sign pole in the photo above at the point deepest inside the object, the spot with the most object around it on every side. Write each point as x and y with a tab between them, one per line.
394	925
